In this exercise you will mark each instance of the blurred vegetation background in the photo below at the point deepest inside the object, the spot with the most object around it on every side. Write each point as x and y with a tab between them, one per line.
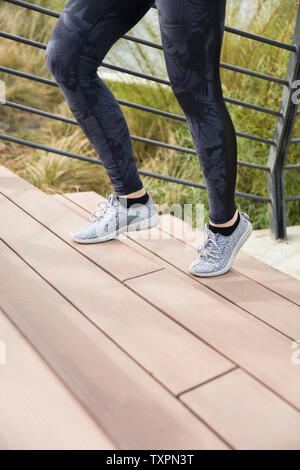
56	174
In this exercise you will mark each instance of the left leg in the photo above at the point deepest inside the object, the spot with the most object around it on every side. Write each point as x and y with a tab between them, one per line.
192	34
83	35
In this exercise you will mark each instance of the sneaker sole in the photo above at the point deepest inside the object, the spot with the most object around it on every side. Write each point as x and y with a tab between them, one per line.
238	246
145	224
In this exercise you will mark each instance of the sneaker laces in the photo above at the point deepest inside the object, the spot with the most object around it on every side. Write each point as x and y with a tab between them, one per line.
213	244
209	248
104	207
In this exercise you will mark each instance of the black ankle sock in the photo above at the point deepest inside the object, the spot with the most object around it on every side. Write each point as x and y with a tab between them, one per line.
128	202
225	231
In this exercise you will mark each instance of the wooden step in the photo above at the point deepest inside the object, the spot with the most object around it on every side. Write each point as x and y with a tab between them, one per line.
31	393
174	356
254	297
260	272
129	405
250	416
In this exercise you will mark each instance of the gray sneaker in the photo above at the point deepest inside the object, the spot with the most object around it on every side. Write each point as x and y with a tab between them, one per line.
111	218
217	253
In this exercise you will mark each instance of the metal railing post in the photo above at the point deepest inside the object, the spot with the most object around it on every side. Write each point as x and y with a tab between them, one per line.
282	138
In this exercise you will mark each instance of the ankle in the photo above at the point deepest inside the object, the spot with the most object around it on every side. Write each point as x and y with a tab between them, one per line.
128	202
227	230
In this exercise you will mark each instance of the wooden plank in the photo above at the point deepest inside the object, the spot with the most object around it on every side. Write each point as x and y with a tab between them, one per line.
174	356
260	301
37	412
249	415
254	346
260	272
131	407
54	216
268	276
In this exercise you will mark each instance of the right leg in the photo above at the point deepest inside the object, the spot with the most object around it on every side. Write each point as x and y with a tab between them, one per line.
83	35
192	33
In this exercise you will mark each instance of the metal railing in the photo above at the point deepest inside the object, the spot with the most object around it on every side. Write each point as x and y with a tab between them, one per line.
279	146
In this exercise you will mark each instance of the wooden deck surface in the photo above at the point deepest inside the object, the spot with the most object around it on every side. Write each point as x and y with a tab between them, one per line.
116	346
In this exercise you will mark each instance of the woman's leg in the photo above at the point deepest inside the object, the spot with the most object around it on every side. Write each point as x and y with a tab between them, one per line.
83	35
192	34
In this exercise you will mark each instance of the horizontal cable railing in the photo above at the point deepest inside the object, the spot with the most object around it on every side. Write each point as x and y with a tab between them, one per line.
295	166
53	83
279	114
229	100
140	139
142	172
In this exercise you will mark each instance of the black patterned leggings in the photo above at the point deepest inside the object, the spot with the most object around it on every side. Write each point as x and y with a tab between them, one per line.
192	34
